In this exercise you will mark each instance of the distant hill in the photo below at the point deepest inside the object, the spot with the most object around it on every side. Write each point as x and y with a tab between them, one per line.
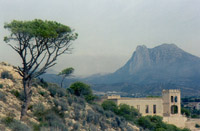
150	70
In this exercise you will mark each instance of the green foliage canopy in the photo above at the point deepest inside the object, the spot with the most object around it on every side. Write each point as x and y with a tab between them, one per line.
128	112
81	89
67	71
39	28
109	105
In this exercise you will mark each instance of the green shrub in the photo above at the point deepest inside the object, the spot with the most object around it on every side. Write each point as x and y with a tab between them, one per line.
77	114
98	108
70	100
185	111
6	75
109	114
81	101
89	98
13	124
15	93
109	105
55	121
81	89
22	96
56	91
1	86
18	126
43	83
76	126
39	111
128	112
103	126
61	103
90	116
2	97
43	93
197	125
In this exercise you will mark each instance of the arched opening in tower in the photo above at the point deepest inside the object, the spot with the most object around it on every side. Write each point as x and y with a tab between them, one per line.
174	109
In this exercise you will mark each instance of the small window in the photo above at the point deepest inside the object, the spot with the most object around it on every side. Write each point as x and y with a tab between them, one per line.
147	109
172	99
154	109
175	99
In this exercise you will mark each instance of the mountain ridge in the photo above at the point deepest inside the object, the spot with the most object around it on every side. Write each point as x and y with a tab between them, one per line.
163	64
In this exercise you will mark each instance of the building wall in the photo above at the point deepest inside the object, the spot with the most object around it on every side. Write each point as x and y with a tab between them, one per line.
169	106
179	121
190	123
142	103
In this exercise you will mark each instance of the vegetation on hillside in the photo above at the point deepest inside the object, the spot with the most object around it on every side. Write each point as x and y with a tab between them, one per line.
56	108
190	111
153	123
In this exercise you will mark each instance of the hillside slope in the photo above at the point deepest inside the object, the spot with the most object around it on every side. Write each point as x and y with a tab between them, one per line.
51	108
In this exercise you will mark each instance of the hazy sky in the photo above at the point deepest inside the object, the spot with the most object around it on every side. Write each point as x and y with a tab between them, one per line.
109	30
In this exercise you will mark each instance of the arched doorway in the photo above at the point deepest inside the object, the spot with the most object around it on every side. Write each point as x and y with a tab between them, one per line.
174	109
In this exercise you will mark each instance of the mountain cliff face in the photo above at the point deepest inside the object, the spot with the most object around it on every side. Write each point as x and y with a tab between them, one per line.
165	66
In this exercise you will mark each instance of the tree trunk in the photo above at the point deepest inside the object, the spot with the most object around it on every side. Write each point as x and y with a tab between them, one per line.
62	81
27	99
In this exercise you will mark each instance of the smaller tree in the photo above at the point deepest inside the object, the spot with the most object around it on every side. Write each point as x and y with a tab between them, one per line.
65	73
82	89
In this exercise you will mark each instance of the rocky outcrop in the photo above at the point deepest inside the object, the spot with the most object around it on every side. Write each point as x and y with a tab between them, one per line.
155	67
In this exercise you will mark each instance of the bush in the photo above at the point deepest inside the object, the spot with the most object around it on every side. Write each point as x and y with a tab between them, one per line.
185	111
128	112
2	97
43	83
109	105
89	98
13	124
103	126
62	103
70	100
1	86
81	89
43	93
109	114
98	108
18	126
197	126
93	128
15	93
22	96
90	116
55	121
81	102
6	75
77	114
56	91
39	111
76	126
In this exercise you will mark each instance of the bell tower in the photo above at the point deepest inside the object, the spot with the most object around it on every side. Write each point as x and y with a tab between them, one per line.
171	102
